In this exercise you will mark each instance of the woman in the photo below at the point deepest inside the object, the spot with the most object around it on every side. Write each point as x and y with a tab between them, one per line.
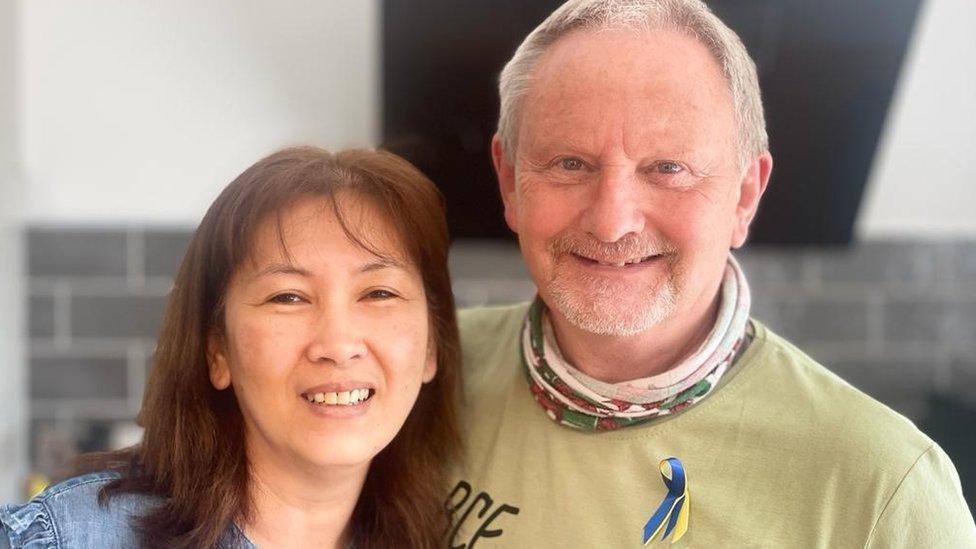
304	384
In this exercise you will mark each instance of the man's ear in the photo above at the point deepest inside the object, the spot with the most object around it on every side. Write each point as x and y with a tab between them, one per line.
505	171
217	362
751	189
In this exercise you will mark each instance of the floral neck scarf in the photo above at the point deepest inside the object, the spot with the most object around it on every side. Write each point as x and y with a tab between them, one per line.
574	399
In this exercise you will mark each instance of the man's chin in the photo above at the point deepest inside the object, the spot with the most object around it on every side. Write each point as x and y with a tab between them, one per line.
607	315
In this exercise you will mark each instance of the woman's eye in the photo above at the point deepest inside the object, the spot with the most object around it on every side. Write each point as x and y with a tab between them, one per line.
286	299
380	294
571	164
668	167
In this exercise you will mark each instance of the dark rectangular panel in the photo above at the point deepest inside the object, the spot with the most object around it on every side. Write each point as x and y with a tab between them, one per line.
827	70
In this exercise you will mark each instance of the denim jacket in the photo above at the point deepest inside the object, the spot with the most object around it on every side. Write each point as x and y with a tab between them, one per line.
67	516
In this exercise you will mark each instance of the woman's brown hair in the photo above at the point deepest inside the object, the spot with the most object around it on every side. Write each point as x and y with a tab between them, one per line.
193	453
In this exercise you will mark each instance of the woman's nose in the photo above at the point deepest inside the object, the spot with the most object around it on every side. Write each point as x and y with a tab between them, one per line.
336	339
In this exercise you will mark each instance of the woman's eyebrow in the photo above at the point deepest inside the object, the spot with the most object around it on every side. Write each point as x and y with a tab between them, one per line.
382	263
289	269
281	268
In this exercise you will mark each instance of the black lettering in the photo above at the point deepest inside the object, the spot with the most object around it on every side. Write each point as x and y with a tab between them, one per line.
484	532
452	506
482	496
460	498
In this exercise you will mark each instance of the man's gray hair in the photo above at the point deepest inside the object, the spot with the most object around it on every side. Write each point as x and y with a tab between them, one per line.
689	16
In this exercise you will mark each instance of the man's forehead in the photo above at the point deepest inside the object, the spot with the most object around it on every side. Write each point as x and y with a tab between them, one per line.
643	83
643	65
602	52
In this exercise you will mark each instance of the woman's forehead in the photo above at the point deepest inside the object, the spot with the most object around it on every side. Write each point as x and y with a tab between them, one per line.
347	226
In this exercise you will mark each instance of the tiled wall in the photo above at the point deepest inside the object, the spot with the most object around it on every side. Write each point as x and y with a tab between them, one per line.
897	319
96	299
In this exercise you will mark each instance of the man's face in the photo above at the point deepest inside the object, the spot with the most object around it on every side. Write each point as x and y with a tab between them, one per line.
626	190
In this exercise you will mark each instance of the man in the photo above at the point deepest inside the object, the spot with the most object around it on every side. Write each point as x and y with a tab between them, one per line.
635	399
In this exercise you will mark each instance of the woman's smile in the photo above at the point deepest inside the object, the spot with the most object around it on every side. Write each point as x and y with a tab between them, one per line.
346	403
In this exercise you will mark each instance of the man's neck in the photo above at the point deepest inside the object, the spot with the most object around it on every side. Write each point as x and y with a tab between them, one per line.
291	509
615	359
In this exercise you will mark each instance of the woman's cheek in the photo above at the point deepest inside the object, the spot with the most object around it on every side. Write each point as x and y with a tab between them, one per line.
270	343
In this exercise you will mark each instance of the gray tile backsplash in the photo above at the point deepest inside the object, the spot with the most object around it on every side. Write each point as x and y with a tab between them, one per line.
487	260
76	253
41	316
961	327
808	319
916	320
880	262
963	376
776	267
116	316
899	383
961	261
163	251
72	377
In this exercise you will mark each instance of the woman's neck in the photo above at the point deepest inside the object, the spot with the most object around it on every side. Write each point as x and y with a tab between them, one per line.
292	507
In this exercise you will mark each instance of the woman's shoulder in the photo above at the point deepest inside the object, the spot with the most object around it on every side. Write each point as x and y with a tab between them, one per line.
68	514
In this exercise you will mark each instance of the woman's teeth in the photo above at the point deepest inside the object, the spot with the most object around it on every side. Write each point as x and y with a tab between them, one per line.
341	398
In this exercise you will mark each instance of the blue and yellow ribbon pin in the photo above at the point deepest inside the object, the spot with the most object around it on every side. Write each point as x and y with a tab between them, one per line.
672	514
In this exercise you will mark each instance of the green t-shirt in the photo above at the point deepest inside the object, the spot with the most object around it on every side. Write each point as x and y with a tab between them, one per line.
783	453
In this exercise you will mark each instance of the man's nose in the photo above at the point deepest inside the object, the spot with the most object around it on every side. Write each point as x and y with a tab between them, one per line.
614	209
336	338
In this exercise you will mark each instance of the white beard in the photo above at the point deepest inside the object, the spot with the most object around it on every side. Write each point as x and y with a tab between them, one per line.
605	307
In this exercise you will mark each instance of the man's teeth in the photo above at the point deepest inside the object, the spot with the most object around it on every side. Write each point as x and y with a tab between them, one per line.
343	398
624	263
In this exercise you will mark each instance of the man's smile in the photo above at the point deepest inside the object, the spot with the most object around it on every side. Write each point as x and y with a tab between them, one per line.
631	263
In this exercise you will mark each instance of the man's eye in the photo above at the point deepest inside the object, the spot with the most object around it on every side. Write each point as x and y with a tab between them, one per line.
571	164
668	167
286	299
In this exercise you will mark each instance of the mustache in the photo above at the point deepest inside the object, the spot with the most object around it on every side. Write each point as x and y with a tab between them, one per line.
629	246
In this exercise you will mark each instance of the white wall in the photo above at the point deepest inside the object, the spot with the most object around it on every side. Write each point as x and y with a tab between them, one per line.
141	111
923	182
13	386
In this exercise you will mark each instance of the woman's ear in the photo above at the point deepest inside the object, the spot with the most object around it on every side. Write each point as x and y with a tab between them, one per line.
217	362
430	367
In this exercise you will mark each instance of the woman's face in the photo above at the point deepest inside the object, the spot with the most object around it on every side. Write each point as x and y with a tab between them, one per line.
326	347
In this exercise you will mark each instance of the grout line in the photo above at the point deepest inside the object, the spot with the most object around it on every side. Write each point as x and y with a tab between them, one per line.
62	315
96	286
66	412
135	374
944	272
104	347
812	272
495	282
851	291
875	340
135	259
942	374
921	352
58	411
